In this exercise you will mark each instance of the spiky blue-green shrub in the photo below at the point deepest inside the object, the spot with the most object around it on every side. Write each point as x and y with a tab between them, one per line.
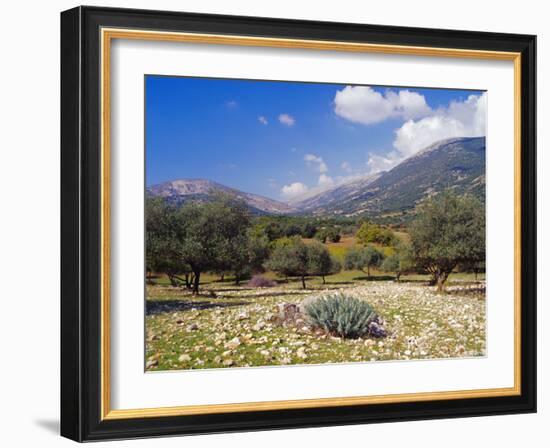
341	315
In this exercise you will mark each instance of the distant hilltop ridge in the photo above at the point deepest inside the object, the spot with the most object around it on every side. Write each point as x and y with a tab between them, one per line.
456	163
184	190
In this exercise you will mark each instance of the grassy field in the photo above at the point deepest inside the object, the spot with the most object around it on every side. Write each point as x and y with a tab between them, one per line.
230	326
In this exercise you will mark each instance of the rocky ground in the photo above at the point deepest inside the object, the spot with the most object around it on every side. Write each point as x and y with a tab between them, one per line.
232	326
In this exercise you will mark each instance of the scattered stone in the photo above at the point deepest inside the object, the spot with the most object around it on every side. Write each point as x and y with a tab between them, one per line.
259	326
184	358
192	327
228	362
152	363
233	343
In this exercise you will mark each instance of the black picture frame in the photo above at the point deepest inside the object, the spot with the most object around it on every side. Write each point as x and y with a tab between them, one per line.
81	224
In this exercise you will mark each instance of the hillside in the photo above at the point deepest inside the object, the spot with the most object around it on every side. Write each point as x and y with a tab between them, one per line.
457	164
200	190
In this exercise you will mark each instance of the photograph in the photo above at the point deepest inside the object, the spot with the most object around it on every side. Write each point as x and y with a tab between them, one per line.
289	221
292	223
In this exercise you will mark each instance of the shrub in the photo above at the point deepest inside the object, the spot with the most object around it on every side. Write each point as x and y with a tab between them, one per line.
341	315
363	258
259	281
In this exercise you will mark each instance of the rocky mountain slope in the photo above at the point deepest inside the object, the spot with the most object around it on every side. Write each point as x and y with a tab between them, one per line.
184	190
457	164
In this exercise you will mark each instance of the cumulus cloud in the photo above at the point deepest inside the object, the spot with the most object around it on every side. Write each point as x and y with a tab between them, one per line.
316	161
287	119
362	104
325	181
460	119
377	163
293	190
346	166
263	120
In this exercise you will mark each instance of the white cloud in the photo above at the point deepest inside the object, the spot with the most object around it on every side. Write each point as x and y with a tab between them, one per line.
377	163
460	119
287	119
346	166
362	104
263	120
325	181
231	104
294	190
316	161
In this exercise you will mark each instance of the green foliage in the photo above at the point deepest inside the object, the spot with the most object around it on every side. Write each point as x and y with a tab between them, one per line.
449	229
162	240
341	315
363	258
399	262
321	236
308	230
373	233
275	227
330	233
291	257
320	262
213	236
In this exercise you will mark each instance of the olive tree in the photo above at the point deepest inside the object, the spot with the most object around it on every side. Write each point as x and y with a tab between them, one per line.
362	258
290	258
373	233
448	229
399	262
212	235
162	242
320	262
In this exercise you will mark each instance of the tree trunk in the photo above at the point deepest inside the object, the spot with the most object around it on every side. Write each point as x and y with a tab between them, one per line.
187	281
397	276
222	276
368	271
237	279
441	279
303	282
323	277
196	282
172	279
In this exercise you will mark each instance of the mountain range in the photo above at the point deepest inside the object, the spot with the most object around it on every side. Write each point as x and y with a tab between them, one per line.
200	190
457	164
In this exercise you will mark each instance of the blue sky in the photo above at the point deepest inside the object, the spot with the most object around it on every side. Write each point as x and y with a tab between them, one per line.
286	140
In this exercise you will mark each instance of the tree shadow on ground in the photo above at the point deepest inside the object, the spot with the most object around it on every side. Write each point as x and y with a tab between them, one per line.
457	291
268	294
380	278
153	306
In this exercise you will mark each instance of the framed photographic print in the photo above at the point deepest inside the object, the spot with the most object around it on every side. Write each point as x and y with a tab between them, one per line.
276	224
